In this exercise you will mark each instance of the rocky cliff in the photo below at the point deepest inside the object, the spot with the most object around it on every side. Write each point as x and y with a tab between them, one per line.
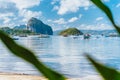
38	26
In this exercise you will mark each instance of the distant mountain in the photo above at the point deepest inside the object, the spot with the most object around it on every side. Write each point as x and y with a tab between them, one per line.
20	27
92	32
99	32
38	26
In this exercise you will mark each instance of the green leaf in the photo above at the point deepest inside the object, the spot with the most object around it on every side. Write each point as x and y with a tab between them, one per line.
29	57
106	72
107	11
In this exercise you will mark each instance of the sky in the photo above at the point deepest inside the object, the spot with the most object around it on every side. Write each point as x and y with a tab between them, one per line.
59	14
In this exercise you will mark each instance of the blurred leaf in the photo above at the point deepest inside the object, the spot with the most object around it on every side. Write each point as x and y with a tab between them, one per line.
29	57
107	11
106	72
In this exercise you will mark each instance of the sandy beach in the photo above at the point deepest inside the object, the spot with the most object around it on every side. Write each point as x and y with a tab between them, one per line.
14	76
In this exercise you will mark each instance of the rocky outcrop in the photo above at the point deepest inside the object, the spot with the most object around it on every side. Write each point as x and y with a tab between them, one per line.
38	26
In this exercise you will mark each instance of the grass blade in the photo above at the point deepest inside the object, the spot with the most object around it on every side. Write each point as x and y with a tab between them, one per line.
29	57
106	72
107	11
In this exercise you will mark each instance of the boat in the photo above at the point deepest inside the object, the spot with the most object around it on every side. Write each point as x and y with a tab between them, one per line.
23	35
86	36
43	36
15	37
113	35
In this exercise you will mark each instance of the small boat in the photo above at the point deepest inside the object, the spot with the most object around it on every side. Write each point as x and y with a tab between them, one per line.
75	37
113	35
22	35
15	37
65	35
86	36
43	36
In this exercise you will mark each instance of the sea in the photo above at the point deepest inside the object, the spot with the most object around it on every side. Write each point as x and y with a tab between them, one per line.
65	55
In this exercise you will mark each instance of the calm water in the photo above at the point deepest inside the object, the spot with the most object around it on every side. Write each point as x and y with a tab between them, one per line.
64	54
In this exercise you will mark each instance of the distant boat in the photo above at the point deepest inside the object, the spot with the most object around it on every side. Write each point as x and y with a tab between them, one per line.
23	35
33	36
15	37
86	36
75	37
43	36
65	35
113	35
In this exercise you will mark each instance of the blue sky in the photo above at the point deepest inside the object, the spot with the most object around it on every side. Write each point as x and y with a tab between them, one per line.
60	14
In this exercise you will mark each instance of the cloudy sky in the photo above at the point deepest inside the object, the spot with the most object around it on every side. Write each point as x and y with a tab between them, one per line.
60	14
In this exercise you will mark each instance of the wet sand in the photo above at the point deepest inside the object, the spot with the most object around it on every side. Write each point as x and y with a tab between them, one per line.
15	76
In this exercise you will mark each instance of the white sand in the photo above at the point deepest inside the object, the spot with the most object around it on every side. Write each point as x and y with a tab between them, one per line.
12	76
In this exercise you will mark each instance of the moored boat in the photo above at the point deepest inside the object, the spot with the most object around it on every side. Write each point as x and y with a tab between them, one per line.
86	36
15	37
43	36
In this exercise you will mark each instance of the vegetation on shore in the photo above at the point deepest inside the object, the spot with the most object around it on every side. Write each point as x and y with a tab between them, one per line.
18	32
71	31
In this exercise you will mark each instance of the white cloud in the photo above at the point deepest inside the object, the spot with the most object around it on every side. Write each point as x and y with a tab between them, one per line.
6	20
55	8
27	14
96	27
54	1
67	6
6	15
86	8
8	24
99	18
80	15
72	6
63	21
7	7
49	20
15	12
73	19
59	27
118	5
21	4
60	21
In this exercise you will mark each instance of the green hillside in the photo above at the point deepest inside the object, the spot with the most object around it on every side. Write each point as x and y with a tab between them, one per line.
71	31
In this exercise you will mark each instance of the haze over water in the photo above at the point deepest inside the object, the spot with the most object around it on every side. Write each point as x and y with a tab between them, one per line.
64	54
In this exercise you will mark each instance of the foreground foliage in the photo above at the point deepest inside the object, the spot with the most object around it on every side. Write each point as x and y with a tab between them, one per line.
17	32
29	56
106	72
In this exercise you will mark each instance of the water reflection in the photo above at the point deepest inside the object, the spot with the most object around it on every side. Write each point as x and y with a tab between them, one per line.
64	54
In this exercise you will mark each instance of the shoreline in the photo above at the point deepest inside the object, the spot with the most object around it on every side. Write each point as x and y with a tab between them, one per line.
17	76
